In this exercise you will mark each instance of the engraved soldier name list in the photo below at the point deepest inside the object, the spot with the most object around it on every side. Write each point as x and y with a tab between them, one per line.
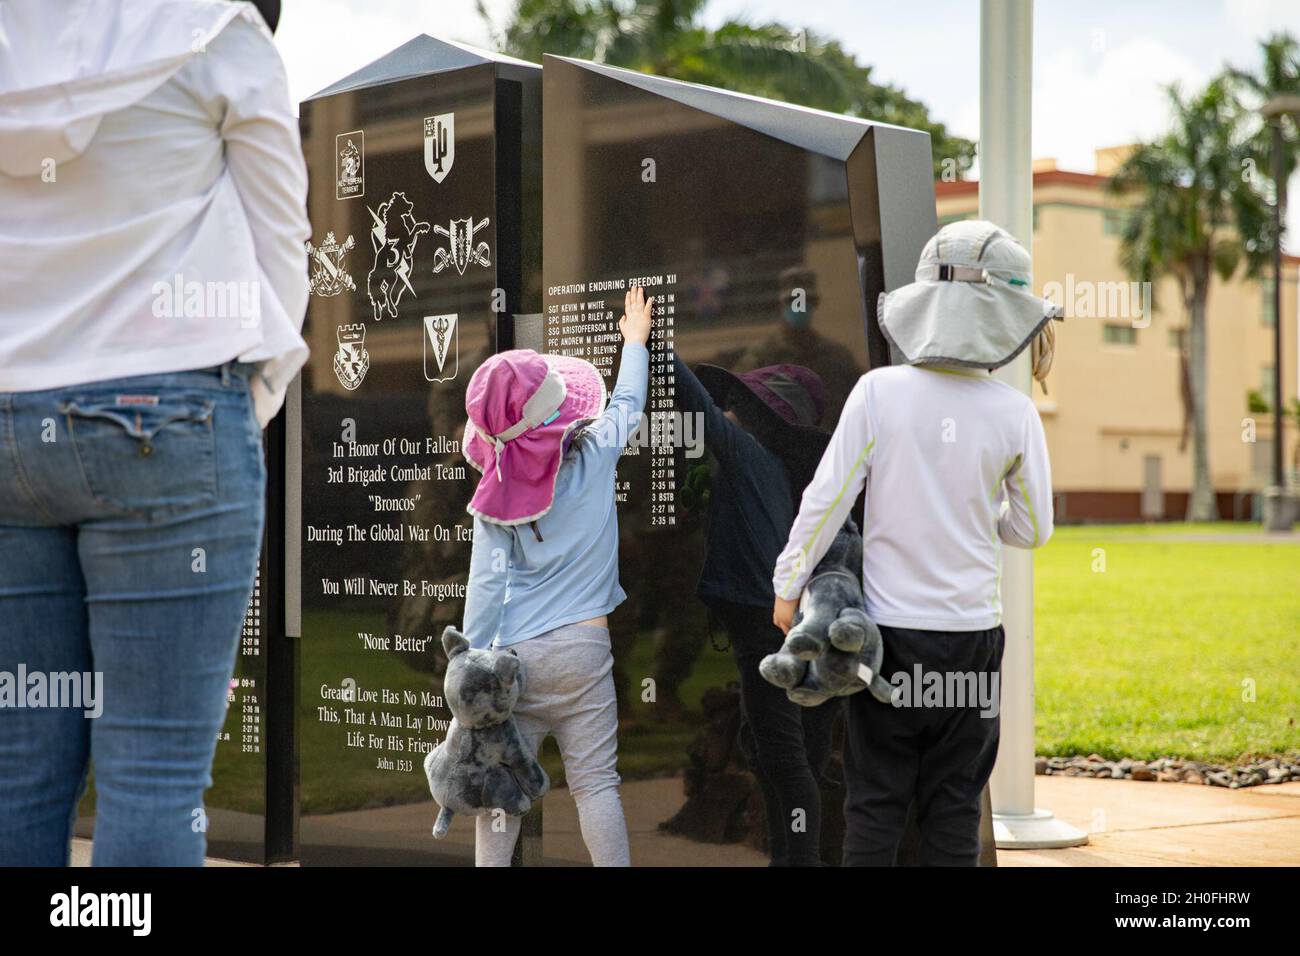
582	321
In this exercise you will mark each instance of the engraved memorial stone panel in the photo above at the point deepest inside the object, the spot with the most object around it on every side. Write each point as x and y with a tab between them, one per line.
766	232
424	202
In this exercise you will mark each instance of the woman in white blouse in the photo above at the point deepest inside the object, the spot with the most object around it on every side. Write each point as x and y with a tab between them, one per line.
152	289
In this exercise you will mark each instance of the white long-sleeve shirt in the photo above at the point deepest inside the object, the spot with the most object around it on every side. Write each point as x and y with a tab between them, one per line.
954	464
152	195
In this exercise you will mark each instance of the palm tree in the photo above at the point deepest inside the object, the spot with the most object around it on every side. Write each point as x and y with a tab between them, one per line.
1194	214
1279	75
667	38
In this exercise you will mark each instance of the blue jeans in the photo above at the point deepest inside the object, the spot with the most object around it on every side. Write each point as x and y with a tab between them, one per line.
131	519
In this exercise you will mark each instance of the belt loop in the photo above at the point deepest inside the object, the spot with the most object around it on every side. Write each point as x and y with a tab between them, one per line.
225	375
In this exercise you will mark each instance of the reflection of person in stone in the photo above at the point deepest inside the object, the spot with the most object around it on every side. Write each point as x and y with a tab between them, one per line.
152	229
954	464
760	427
796	341
543	572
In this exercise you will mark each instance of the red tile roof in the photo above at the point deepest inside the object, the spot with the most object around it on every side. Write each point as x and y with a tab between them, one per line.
1046	177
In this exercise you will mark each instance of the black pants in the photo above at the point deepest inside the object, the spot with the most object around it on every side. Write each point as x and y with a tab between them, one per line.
788	745
939	753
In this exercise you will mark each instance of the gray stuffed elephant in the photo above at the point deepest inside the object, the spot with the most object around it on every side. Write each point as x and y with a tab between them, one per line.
482	764
833	649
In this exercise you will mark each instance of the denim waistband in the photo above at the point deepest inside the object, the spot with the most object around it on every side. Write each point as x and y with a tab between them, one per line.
227	375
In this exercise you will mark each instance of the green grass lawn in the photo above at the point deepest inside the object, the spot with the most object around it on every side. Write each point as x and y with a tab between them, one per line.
1159	653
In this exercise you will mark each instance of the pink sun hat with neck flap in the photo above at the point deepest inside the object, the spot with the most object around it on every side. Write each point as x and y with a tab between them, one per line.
522	408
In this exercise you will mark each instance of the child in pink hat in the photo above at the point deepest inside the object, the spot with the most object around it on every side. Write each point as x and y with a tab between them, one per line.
544	568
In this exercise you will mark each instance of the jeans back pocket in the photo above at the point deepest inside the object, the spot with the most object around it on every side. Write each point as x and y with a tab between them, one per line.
150	457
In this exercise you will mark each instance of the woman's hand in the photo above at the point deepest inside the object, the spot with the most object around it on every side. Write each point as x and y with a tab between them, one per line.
783	614
637	312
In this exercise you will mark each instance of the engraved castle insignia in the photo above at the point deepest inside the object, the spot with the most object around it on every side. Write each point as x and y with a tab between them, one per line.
350	164
439	144
393	237
328	276
442	344
352	360
461	250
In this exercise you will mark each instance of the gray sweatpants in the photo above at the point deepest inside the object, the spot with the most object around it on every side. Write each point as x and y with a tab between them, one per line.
569	693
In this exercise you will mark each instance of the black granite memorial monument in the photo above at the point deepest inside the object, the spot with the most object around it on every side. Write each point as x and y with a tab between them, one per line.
424	200
765	231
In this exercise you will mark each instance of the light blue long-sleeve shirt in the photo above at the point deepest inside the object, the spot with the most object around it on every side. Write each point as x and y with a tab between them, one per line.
520	587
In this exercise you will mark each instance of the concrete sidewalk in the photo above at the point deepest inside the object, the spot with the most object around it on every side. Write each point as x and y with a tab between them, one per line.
1131	824
1134	823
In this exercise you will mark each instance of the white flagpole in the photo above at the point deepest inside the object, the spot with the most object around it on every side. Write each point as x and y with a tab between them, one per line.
1006	198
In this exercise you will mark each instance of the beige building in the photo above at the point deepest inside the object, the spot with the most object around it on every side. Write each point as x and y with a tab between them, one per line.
1112	409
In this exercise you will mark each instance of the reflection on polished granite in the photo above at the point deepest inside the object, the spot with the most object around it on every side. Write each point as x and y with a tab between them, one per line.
386	832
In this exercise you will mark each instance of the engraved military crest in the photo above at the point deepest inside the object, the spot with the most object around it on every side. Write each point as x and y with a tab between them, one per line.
439	145
328	274
350	164
461	250
442	345
351	361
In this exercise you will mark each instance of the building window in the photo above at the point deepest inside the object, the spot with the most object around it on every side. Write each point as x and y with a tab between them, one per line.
1113	334
1267	382
1266	301
1113	221
1176	338
1262	458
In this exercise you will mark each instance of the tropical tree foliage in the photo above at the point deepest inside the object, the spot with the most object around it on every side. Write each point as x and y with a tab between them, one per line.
668	38
1278	75
1195	212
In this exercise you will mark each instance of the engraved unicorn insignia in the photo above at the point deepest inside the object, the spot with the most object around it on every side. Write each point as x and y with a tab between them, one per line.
393	237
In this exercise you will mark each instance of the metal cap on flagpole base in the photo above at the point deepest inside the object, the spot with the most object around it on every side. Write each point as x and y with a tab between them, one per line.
1039	830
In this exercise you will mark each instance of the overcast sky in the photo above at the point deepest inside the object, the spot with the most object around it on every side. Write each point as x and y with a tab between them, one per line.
1099	65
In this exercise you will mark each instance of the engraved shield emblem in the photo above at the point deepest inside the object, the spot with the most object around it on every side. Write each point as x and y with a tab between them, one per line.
439	145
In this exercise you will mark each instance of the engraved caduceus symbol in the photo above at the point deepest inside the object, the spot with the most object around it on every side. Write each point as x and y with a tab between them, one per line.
442	326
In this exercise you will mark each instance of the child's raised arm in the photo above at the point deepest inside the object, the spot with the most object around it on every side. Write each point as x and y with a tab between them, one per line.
611	431
827	501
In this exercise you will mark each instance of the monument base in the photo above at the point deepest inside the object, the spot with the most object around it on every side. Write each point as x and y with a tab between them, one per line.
1281	509
1039	830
